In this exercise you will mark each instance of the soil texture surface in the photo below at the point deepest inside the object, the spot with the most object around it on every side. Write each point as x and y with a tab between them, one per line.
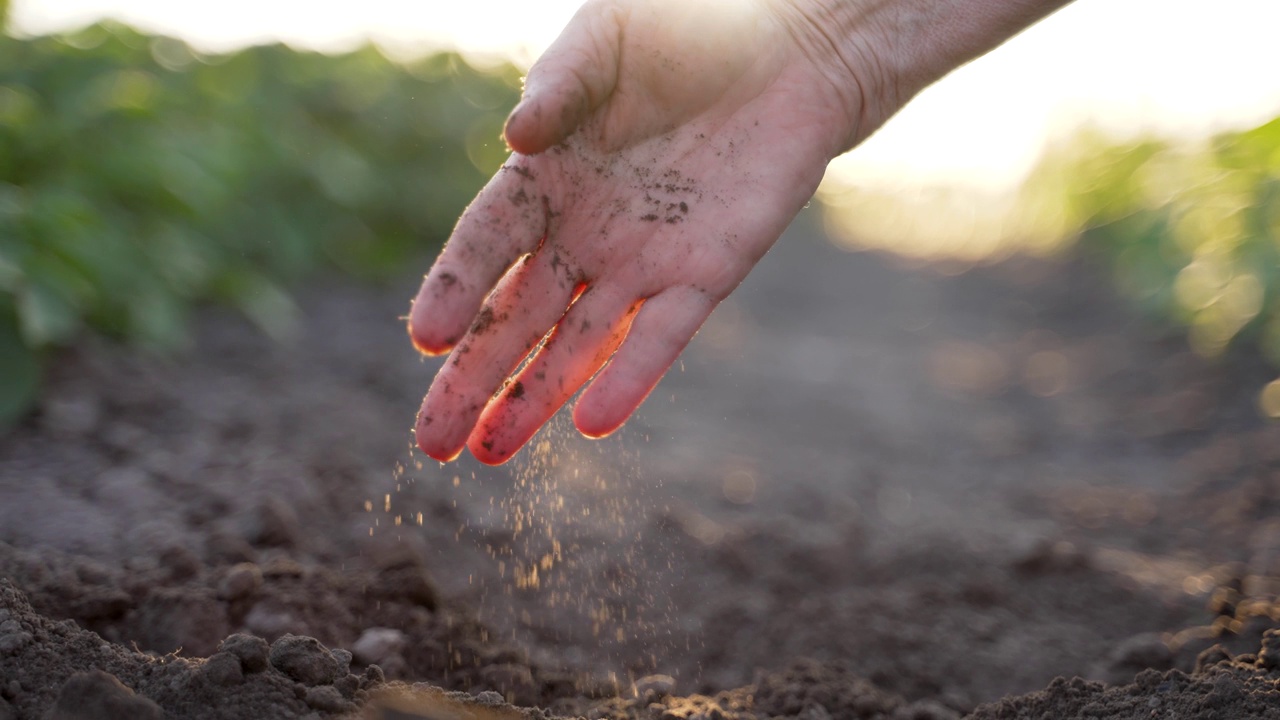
869	489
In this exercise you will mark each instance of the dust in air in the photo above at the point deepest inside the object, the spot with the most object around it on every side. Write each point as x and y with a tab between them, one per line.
564	525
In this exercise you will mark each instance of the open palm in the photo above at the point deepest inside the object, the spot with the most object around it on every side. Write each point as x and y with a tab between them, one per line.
661	149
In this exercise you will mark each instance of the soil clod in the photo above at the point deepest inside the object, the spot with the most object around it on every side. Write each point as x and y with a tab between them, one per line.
304	659
326	698
252	651
96	695
223	669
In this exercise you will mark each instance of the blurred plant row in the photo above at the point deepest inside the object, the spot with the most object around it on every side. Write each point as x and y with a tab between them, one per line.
1191	231
138	178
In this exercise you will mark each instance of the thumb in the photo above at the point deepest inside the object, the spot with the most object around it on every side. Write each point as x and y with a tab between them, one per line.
571	79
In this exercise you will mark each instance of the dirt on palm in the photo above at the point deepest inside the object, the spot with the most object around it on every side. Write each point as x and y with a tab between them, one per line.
870	489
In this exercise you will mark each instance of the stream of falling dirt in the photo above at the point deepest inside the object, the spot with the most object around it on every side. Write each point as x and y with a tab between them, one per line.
582	519
579	572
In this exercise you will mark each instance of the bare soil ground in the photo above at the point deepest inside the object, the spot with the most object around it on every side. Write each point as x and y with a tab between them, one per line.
870	489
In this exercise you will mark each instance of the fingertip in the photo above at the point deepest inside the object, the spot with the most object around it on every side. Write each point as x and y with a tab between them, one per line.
657	335
438	314
425	344
423	340
487	451
429	443
527	133
517	132
438	452
595	421
492	441
573	77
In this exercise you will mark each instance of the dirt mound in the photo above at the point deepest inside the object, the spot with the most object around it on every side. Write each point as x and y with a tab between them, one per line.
868	491
73	673
388	616
1220	687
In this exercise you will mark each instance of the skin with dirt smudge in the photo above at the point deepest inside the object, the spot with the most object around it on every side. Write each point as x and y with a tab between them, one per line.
661	147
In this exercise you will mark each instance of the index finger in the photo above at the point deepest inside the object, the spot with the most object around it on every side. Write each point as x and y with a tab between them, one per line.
506	220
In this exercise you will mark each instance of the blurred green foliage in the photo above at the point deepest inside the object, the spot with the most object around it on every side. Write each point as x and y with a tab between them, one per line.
1191	230
138	178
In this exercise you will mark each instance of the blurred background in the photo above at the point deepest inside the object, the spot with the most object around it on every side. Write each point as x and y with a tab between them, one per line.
988	414
157	155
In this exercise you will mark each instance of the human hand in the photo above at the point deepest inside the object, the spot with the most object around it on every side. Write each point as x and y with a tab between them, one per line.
660	149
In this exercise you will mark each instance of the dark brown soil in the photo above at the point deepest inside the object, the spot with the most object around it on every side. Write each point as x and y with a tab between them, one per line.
869	491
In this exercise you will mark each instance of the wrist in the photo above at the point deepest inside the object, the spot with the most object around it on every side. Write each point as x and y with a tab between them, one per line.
875	55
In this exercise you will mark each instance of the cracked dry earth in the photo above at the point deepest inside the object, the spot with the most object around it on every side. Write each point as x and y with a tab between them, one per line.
871	489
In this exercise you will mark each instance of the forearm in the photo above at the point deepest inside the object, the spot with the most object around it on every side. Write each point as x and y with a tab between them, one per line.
880	53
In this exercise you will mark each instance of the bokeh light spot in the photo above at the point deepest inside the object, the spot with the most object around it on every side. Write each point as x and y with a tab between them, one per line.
1269	399
740	487
1046	373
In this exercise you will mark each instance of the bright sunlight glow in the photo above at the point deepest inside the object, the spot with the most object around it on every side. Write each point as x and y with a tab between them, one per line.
1182	66
515	30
